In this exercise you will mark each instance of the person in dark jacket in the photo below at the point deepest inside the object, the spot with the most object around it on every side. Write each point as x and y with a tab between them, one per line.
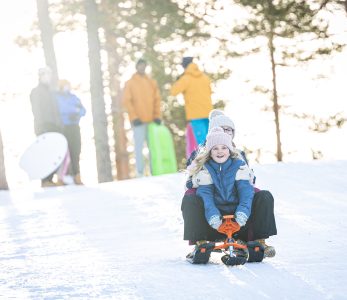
45	111
226	189
71	110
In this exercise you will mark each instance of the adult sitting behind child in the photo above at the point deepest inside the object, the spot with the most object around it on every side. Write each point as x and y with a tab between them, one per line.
226	189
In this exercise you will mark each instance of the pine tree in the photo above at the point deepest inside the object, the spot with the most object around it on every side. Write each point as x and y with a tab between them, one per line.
137	29
103	159
46	32
144	28
288	26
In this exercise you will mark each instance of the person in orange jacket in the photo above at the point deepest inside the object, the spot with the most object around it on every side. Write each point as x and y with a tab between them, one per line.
141	98
196	89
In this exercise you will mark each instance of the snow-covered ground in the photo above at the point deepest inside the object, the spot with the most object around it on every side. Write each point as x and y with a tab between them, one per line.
123	240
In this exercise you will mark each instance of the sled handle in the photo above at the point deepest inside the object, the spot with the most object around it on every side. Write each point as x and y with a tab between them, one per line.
229	227
226	217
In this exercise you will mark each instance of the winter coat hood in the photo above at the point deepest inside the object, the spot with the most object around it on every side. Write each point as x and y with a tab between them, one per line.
193	70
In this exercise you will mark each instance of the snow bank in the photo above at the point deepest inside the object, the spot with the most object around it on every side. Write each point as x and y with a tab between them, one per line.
123	240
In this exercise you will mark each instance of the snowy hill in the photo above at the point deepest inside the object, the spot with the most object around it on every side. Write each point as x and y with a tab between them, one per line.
123	240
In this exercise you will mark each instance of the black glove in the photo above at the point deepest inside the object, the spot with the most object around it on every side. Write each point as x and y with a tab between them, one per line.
157	121
137	122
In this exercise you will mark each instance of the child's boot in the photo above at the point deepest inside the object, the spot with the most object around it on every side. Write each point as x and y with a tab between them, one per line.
269	251
201	253
240	252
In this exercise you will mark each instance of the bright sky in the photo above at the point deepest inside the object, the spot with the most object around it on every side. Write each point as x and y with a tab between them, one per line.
18	75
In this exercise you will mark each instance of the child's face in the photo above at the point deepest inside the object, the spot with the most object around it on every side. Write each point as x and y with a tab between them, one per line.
220	153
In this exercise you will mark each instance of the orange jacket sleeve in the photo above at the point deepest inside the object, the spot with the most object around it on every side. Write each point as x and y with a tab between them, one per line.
157	100
128	102
179	86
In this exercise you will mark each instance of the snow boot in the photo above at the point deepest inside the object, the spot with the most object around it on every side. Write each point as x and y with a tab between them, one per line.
47	183
201	253
239	252
238	257
77	179
60	182
255	251
233	260
269	251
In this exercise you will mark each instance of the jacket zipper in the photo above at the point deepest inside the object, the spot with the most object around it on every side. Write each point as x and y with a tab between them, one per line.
221	181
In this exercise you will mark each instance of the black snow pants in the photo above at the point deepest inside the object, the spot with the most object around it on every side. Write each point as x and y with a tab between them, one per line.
73	136
42	128
260	225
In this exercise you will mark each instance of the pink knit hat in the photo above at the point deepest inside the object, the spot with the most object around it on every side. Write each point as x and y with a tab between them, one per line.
217	136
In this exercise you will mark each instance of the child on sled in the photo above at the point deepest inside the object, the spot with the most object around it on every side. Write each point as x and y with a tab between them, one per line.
224	189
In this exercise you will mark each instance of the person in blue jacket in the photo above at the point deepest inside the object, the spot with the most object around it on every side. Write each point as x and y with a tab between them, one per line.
71	110
226	189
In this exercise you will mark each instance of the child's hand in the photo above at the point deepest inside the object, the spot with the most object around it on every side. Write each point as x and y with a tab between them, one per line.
215	221
241	218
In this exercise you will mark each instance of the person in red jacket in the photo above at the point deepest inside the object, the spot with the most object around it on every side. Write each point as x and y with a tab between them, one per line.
141	99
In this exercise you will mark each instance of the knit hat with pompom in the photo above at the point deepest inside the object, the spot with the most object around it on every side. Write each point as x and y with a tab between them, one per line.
217	136
217	118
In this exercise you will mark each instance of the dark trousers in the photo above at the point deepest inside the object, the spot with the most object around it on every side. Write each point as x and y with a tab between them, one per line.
73	136
44	128
260	225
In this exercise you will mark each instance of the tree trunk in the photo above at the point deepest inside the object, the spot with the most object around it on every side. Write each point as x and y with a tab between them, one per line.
3	181
275	98
46	30
122	156
103	159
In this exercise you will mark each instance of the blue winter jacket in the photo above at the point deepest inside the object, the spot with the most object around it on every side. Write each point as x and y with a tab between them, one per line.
70	108
230	191
189	183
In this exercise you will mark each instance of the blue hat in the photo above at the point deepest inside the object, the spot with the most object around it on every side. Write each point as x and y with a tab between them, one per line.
186	61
